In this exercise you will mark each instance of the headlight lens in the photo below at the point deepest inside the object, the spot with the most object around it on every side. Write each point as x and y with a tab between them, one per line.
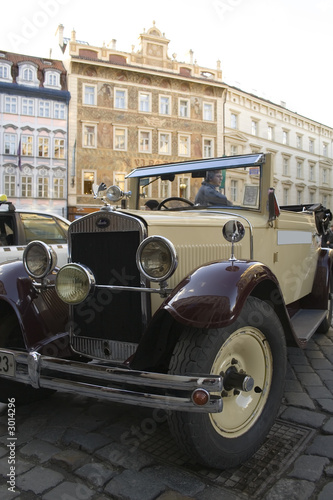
156	258
39	259
74	283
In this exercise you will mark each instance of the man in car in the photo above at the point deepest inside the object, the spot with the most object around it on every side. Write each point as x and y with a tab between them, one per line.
208	194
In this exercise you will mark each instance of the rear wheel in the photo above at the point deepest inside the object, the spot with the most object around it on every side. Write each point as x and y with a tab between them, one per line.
251	356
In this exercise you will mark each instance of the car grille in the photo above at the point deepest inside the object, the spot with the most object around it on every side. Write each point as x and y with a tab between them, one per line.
106	242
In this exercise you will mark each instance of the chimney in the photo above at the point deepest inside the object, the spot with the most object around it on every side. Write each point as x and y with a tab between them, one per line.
73	35
60	32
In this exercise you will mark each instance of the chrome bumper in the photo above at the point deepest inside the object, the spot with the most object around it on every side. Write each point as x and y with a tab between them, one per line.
114	383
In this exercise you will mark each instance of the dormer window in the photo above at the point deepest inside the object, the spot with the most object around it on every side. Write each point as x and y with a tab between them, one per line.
5	73
28	75
52	79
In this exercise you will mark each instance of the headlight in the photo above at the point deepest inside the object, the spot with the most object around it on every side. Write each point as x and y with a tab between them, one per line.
156	258
74	283
39	259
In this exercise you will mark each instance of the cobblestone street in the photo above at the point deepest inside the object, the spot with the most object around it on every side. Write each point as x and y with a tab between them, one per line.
71	447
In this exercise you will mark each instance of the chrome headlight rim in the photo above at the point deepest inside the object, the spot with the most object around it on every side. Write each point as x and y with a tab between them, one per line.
49	255
173	258
86	273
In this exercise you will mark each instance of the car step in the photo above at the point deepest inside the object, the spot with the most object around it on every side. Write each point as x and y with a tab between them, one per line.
306	321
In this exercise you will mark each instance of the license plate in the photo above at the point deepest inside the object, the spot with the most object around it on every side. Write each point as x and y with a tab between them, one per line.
7	364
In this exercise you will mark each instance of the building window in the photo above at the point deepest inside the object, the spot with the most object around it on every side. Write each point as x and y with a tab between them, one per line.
4	72
270	133
208	111
285	196
89	179
184	145
234	190
119	180
285	166
43	187
311	145
58	188
208	148
325	149
233	149
89	95
234	121
254	127
165	105
10	104
89	136
184	108
44	109
164	143
299	170
43	147
325	200
311	173
184	184
27	107
325	176
120	99
285	137
10	144
59	111
120	139
299	141
26	186
28	75
10	185
59	148
311	198
164	190
52	79
299	197
145	141
27	145
145	102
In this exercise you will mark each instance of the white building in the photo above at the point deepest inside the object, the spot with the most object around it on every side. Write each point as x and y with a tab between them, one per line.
301	147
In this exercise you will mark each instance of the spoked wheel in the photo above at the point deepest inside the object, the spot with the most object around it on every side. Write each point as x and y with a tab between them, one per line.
251	357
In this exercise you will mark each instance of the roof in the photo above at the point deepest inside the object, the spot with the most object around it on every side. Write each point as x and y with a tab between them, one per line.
198	165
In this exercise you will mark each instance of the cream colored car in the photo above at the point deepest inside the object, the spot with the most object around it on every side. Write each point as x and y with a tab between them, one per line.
187	308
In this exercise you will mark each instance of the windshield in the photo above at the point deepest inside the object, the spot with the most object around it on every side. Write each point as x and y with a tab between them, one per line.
238	187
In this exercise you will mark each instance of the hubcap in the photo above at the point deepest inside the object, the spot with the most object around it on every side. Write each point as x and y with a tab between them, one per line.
245	362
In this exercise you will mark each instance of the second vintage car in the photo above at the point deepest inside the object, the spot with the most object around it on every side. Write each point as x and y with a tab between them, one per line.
20	227
188	308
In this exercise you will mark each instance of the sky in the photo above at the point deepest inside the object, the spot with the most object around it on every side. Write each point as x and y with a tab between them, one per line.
280	50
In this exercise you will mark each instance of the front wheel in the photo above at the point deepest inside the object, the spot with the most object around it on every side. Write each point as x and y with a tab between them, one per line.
254	346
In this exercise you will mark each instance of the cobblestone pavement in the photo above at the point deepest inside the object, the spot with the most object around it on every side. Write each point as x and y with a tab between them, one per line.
69	447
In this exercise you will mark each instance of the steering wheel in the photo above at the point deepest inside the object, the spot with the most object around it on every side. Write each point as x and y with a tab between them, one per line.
173	198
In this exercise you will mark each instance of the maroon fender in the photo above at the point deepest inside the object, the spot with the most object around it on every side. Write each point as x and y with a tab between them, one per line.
214	294
41	316
318	298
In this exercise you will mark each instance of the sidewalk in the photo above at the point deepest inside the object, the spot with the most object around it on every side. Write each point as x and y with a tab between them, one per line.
71	447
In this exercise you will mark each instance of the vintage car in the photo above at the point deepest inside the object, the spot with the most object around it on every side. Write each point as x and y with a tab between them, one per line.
19	227
187	308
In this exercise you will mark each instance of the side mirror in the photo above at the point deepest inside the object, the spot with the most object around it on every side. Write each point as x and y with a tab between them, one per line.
234	232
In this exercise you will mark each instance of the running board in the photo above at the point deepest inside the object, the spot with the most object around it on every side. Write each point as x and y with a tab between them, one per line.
306	321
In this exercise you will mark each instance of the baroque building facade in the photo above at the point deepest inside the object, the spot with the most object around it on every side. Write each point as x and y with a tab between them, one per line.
33	140
133	109
130	109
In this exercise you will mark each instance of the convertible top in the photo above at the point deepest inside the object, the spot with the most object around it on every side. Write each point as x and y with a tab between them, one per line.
198	167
